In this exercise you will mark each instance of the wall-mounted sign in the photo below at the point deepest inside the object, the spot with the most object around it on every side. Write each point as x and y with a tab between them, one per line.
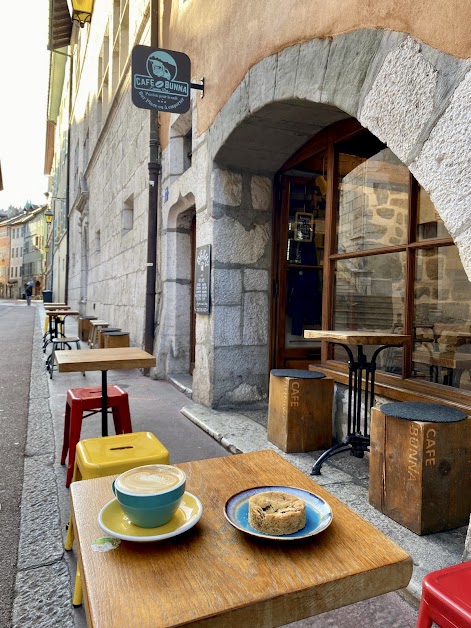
202	279
160	79
303	227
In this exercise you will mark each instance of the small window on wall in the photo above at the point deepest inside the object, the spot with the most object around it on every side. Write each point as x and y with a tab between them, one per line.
127	215
187	150
97	242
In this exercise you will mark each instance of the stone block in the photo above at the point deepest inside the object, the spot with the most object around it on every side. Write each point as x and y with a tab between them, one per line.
227	286
400	101
227	326
226	187
262	83
309	75
256	317
233	244
261	192
256	280
287	62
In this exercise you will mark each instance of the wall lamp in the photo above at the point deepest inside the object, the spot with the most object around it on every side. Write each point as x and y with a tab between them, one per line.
81	11
48	215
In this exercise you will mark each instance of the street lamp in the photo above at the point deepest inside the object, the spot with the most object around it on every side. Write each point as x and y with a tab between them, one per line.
81	11
48	215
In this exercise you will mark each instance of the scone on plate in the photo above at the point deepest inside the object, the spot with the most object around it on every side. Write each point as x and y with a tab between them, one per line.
274	512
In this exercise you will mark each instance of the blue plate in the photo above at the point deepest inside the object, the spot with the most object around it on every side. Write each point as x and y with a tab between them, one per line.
318	512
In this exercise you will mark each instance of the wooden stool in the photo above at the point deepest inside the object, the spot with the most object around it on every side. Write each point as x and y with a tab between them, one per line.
116	339
84	327
420	454
60	344
80	400
300	410
102	332
109	455
95	325
446	598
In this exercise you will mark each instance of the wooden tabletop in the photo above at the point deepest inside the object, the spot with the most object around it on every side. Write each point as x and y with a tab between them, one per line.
357	337
52	306
214	575
103	359
61	312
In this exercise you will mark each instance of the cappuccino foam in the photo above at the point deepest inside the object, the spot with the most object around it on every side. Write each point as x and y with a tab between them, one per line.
149	480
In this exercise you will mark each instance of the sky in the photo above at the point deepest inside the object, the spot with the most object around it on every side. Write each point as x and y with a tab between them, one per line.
24	72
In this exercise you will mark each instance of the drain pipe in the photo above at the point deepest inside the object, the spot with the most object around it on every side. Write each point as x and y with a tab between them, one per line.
155	167
67	200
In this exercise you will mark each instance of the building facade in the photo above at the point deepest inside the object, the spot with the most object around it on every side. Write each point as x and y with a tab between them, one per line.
323	176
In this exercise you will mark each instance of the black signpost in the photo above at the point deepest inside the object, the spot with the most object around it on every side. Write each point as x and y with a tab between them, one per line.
160	79
202	279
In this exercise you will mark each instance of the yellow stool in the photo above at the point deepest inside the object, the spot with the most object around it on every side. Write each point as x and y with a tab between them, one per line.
109	455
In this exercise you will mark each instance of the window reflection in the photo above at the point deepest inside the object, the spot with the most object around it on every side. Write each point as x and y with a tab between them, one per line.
373	199
429	223
369	296
442	319
305	257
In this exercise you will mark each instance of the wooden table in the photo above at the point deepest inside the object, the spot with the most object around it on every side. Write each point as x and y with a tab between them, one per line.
216	576
54	315
103	360
357	439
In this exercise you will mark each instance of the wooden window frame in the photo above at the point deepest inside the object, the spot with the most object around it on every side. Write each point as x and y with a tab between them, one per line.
403	387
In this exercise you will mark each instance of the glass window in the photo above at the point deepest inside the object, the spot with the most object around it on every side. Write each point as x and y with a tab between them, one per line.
429	223
369	296
442	319
373	197
304	257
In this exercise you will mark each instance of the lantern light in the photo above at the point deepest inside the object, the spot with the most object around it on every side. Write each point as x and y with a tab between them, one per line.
81	11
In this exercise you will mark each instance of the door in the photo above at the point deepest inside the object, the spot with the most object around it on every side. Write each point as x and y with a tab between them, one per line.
299	258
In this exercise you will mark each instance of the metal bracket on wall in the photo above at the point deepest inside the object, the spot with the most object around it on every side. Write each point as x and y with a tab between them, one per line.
199	86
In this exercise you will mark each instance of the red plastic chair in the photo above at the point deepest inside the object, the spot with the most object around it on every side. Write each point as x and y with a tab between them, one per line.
446	598
80	400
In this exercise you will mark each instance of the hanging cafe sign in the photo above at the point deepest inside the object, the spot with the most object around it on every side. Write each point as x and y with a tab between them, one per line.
161	79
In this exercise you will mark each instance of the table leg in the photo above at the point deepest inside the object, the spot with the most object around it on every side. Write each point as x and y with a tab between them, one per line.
104	403
356	440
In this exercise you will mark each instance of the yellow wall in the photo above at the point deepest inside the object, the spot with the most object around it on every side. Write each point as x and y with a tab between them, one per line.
225	38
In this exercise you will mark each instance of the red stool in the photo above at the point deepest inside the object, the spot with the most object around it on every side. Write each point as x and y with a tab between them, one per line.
446	598
80	400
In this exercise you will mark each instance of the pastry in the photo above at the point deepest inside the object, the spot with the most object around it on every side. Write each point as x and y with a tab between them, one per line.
274	512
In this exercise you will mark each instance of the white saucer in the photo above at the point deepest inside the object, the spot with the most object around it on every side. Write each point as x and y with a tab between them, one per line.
115	523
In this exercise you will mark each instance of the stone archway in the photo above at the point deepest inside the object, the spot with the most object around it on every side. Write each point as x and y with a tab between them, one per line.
412	97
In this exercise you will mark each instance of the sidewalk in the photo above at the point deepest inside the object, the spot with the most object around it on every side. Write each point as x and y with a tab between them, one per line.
46	572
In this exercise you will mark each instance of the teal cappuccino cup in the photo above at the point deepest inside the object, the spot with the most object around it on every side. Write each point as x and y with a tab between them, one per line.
150	495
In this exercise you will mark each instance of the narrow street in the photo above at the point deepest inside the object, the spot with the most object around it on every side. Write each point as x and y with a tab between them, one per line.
16	340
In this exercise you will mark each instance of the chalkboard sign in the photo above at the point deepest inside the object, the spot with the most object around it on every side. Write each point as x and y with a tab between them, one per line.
303	227
202	279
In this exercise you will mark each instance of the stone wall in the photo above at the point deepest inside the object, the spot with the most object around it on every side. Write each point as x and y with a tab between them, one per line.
234	217
117	245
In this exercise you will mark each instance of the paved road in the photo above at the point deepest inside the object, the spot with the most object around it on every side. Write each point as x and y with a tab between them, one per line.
16	342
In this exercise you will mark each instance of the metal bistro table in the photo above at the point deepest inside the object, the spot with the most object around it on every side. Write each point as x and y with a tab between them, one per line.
357	439
54	316
104	360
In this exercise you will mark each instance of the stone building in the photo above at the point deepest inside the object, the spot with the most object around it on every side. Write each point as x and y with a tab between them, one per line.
325	169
